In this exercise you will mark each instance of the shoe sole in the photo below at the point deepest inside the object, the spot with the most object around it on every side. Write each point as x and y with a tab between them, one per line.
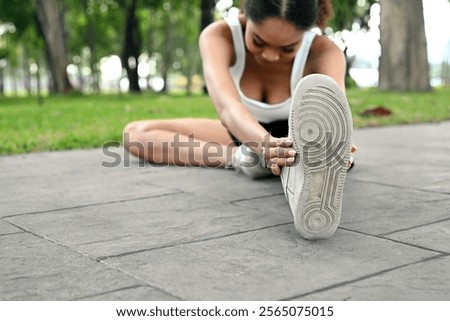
321	129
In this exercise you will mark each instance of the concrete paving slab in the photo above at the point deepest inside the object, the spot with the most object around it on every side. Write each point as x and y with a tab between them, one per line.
7	228
274	205
54	180
433	236
270	264
55	193
388	145
408	156
118	228
32	268
423	281
35	165
220	184
378	209
136	293
168	233
423	176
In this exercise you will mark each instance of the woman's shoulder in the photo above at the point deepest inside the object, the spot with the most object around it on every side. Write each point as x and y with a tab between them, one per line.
216	39
221	28
324	43
327	58
325	48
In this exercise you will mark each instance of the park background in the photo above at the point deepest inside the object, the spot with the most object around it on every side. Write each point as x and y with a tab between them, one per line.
73	73
74	228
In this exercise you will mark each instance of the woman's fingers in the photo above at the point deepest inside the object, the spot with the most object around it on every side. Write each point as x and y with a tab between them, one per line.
280	142
276	170
280	162
281	152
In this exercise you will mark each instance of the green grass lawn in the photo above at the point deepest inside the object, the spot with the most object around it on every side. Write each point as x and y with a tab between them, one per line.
69	122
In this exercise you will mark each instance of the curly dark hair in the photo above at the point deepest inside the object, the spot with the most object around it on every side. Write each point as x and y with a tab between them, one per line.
302	13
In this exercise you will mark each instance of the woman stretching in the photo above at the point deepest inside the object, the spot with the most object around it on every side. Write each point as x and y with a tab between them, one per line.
278	89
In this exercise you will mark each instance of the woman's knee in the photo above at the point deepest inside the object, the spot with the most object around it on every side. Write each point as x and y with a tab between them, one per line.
134	127
132	133
134	130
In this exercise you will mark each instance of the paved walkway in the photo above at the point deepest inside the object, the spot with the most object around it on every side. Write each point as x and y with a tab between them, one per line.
71	229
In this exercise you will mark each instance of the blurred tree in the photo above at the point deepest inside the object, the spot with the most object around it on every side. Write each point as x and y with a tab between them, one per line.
207	17
207	9
20	42
3	56
188	53
50	17
18	12
345	14
173	42
132	44
95	31
404	61
133	40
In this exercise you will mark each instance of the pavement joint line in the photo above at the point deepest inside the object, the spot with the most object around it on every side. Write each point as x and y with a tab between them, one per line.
92	259
414	227
108	292
399	187
45	238
108	257
13	233
103	241
417	246
92	205
395	241
254	198
137	286
147	283
344	283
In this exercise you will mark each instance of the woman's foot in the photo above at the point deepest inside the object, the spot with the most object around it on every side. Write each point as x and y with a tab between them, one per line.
320	125
250	163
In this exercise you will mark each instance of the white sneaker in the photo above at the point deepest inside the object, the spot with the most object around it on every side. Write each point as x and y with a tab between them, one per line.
320	126
250	163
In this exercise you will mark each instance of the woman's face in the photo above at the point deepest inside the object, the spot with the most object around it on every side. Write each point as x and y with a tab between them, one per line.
273	40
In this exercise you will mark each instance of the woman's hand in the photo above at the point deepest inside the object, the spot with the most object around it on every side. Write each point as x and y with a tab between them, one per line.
279	152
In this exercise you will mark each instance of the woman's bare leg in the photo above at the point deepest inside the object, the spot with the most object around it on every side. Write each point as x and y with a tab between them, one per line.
195	142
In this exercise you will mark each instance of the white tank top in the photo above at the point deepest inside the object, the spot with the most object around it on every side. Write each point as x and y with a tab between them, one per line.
266	113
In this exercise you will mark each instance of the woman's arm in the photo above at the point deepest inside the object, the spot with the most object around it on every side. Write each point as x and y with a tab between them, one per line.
218	55
326	58
217	52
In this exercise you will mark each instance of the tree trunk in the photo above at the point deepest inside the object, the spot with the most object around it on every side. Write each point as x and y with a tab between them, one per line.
445	69
91	41
38	85
2	77
404	62
93	57
168	53
207	7
132	48
26	68
50	19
